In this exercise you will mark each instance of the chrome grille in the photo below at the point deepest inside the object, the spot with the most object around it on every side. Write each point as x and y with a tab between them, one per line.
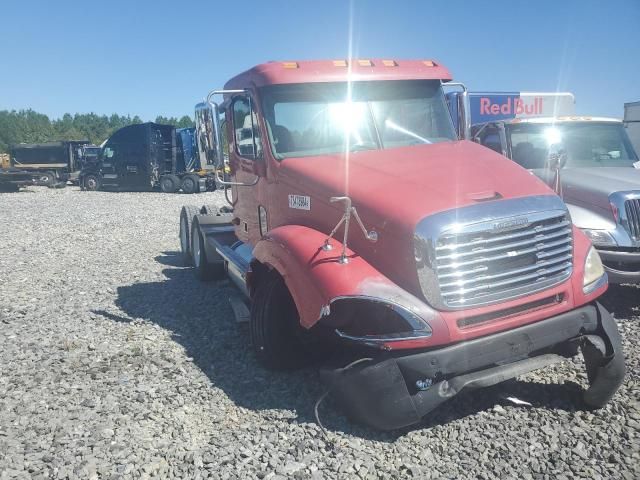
472	266
632	209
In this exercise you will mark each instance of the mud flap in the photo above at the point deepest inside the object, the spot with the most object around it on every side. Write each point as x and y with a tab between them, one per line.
604	361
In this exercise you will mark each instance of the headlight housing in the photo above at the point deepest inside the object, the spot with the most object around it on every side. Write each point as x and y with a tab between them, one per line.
600	238
593	271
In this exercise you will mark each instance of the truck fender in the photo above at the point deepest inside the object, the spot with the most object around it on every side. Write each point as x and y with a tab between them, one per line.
316	278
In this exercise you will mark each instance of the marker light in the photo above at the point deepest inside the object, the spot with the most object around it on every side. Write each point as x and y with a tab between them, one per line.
429	63
593	271
389	63
339	63
553	136
600	238
365	63
290	64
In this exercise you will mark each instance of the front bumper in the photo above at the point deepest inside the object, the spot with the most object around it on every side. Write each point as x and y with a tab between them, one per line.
382	393
621	266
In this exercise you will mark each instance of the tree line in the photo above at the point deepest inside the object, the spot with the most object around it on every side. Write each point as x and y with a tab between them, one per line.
28	126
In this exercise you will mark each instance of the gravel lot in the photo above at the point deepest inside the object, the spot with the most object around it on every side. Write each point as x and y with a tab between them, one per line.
116	363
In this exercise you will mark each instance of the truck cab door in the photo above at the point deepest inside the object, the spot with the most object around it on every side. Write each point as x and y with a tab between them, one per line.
246	161
109	164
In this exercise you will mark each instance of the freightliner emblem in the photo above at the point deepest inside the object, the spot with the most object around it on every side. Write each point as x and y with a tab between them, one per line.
510	224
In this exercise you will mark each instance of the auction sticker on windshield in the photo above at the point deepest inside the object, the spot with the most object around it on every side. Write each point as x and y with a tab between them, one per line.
300	202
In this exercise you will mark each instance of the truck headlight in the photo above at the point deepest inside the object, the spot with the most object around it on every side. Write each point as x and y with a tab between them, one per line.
600	238
593	271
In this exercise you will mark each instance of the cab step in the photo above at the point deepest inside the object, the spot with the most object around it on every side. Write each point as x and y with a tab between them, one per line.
240	309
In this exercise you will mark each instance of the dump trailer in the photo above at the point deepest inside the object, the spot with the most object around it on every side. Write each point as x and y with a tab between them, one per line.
356	216
599	173
632	123
51	164
148	156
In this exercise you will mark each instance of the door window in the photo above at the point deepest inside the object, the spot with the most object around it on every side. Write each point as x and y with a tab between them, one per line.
245	127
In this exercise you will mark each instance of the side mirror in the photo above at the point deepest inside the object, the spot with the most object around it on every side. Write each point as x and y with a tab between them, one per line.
557	156
208	135
460	110
209	138
556	160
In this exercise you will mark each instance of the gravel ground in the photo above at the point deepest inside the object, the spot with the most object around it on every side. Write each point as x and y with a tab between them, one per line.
116	363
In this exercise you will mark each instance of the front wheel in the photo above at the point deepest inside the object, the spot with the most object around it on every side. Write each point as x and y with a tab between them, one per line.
278	339
91	182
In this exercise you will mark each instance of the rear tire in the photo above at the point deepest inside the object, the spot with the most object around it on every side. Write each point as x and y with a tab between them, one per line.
169	183
205	270
186	220
47	179
276	335
191	184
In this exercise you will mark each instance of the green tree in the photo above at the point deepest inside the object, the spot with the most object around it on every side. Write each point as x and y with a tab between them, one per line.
28	126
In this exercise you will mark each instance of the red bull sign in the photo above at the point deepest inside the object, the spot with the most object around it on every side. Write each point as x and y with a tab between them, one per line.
493	106
517	106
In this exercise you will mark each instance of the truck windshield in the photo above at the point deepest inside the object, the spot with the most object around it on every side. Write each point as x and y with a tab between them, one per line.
588	144
317	118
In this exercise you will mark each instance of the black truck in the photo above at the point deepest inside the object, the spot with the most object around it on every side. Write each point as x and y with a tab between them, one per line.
148	156
51	164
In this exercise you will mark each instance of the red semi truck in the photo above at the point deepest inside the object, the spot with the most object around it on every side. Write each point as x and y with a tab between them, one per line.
355	210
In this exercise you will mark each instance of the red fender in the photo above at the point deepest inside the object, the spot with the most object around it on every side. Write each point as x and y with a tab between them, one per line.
316	278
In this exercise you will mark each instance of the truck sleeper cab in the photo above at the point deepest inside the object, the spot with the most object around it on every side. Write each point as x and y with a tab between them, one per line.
147	156
356	209
599	181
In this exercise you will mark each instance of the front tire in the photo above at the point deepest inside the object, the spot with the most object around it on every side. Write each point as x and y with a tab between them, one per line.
276	335
91	182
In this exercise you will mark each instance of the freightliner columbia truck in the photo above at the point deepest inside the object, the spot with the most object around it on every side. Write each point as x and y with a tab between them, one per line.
599	177
355	212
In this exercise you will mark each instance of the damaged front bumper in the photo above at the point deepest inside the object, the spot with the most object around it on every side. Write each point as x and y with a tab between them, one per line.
383	393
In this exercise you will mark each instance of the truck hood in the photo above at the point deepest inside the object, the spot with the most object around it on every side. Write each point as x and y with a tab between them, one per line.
591	186
400	186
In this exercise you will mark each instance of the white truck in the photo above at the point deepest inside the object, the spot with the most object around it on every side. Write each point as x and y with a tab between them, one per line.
632	123
597	171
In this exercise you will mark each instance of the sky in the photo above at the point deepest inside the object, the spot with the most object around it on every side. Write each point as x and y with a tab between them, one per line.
155	57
